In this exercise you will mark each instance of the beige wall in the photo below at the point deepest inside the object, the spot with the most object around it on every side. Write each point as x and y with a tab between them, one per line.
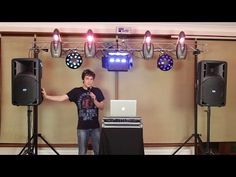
165	99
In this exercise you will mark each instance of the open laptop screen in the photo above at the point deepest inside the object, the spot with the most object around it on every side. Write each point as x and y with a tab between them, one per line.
123	108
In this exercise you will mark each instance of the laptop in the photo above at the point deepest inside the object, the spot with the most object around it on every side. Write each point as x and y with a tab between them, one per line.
123	108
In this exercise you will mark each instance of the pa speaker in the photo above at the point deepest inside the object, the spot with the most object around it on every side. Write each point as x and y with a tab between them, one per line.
26	81
211	83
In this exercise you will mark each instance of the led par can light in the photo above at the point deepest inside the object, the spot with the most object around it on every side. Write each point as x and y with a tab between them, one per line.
165	62
74	59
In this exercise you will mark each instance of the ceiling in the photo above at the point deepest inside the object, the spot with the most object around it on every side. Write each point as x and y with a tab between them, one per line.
204	29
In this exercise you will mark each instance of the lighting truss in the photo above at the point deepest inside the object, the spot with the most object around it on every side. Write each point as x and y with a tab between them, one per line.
100	47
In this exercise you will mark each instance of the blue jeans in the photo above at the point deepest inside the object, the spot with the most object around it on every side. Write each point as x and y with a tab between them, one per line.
83	137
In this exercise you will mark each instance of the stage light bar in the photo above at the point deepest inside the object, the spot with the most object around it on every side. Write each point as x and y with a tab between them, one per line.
117	61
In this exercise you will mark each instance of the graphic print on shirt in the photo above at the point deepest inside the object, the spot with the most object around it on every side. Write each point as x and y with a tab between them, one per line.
87	109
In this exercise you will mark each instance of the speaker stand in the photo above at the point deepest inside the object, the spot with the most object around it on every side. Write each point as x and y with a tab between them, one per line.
34	147
197	140
208	148
198	145
29	149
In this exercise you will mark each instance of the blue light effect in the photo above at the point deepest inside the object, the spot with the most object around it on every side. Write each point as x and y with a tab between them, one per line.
112	60
123	60
165	62
117	61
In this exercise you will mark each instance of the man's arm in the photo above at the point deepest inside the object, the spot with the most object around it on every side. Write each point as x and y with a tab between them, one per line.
100	105
54	98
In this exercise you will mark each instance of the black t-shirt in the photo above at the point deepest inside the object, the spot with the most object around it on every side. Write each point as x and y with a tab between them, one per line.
87	110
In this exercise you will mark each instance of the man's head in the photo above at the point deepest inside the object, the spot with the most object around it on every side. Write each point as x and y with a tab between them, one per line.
88	76
88	72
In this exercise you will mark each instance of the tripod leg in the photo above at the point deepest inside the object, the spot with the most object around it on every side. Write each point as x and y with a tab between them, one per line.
27	144
200	143
48	144
183	144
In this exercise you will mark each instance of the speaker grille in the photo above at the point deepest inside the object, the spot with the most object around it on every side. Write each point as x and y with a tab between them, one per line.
213	90
24	93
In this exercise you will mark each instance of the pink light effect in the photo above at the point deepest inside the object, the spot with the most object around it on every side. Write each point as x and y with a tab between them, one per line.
148	39
181	40
56	37
90	38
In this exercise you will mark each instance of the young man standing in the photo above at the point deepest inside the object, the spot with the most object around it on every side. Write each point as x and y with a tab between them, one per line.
88	100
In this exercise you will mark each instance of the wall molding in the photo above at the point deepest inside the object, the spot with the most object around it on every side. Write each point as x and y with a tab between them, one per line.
161	28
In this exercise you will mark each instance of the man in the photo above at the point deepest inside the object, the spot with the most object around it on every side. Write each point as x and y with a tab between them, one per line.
88	100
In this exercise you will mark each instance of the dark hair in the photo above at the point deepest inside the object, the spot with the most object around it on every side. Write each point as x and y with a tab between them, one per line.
87	72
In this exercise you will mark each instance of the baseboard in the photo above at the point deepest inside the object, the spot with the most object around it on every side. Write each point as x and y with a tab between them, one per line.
74	151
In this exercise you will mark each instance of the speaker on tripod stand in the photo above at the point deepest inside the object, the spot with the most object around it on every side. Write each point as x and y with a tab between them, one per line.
211	88
26	91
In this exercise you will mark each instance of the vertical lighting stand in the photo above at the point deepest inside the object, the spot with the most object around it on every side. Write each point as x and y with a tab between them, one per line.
197	139
35	121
